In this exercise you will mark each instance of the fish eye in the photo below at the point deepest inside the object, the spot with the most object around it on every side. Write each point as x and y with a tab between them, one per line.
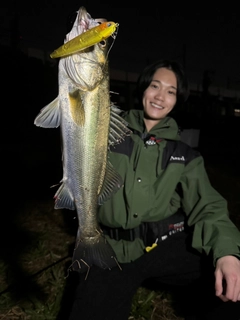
103	43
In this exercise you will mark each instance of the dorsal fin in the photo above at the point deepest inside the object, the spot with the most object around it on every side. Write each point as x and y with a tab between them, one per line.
118	127
111	184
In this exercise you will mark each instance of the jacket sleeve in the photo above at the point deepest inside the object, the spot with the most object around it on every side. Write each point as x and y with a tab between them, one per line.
207	212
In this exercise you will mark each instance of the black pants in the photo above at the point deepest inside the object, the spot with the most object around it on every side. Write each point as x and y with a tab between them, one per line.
107	294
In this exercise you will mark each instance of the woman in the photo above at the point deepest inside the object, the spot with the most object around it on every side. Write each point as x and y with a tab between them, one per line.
167	223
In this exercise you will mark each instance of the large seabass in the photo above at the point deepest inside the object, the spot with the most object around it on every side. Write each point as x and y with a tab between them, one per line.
89	123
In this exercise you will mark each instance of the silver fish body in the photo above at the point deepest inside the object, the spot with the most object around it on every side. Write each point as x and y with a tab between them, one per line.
89	124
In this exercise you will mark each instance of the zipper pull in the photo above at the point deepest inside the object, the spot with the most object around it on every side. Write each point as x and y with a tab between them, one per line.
153	246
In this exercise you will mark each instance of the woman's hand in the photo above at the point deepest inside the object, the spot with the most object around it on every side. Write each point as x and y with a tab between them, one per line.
227	278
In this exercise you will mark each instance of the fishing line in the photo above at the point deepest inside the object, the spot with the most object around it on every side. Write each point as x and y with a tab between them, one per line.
114	35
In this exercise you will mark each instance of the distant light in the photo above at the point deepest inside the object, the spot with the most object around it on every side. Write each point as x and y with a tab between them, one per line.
237	112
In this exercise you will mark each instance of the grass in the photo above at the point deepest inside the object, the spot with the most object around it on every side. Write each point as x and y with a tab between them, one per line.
36	249
33	278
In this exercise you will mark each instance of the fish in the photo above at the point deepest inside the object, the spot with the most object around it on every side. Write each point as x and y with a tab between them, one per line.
87	39
89	124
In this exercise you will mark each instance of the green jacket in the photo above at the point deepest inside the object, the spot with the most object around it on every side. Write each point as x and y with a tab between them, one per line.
158	180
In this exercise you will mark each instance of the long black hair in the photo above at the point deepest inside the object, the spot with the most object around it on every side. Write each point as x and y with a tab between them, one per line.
146	76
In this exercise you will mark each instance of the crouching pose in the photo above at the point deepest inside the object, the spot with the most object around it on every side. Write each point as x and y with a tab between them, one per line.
167	225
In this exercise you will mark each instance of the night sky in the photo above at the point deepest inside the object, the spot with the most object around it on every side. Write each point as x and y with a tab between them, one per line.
200	41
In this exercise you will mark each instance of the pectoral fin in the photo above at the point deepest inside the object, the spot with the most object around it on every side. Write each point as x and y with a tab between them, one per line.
49	116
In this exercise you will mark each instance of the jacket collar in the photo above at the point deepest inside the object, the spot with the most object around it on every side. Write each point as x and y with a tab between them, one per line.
167	128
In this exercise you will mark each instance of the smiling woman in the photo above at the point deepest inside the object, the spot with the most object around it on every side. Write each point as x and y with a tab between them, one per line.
160	97
167	208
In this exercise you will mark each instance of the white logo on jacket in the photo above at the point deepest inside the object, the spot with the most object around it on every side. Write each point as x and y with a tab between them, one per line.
177	158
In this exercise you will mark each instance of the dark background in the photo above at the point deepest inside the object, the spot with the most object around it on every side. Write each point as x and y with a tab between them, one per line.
201	38
206	43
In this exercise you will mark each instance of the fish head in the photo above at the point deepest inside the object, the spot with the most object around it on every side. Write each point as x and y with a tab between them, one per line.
82	23
88	67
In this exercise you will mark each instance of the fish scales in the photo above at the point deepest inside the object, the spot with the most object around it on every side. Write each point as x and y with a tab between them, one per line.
87	120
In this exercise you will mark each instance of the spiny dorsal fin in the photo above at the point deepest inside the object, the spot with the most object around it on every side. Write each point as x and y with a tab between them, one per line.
111	184
118	127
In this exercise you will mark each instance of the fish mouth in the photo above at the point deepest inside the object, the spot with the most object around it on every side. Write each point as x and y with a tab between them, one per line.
85	33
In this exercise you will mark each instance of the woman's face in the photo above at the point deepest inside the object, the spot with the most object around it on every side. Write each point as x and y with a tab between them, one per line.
161	95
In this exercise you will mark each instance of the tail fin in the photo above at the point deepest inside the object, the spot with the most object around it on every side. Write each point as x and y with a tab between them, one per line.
87	254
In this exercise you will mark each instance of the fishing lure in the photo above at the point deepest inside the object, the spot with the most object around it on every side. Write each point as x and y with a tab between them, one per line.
86	39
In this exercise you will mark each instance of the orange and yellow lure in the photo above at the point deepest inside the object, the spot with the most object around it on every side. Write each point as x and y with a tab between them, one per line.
86	39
